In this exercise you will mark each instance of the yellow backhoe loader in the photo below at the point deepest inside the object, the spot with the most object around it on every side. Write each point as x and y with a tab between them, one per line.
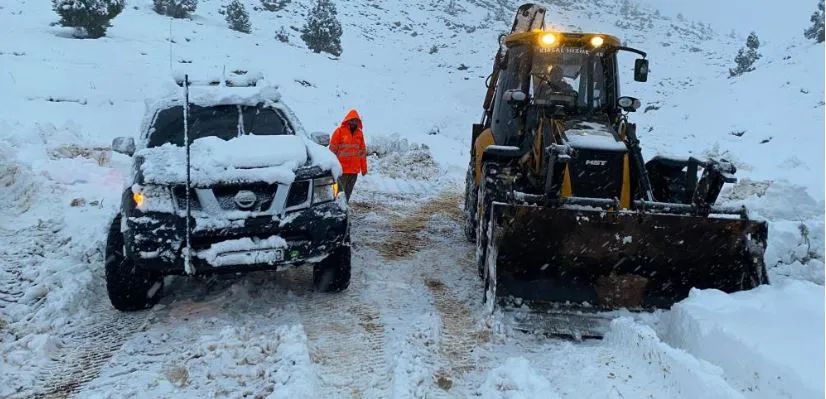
569	220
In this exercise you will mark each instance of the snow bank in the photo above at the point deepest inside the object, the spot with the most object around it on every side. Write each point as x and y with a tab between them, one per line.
396	157
58	190
768	340
18	188
796	224
248	158
516	379
691	378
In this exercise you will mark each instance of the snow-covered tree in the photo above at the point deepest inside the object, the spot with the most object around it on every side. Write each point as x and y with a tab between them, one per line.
274	5
282	35
451	8
322	32
746	56
175	8
92	16
237	17
816	30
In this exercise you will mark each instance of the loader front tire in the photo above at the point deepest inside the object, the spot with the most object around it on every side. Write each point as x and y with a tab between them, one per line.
471	192
482	219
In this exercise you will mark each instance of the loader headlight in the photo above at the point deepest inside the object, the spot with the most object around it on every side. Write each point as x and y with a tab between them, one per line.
325	189
548	39
597	41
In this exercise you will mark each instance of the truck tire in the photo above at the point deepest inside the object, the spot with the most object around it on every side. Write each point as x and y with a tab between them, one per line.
471	192
129	287
333	273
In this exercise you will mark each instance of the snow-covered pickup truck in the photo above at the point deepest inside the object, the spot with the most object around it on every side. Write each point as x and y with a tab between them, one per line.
262	196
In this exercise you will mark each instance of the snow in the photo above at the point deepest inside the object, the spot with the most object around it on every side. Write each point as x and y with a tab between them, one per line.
692	378
244	251
60	185
248	158
769	341
516	379
593	136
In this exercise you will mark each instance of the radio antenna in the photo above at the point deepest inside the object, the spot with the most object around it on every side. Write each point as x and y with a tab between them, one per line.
187	254
170	45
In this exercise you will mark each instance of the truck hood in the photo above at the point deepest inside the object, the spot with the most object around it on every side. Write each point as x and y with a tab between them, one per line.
245	159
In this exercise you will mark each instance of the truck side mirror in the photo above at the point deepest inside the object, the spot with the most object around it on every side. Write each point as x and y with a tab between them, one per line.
641	70
321	138
124	145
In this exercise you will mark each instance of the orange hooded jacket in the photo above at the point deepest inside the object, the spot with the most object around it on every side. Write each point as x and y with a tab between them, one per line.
349	146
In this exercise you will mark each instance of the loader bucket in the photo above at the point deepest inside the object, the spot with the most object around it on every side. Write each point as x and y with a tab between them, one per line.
614	260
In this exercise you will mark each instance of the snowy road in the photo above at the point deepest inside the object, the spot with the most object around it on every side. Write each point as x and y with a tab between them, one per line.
410	326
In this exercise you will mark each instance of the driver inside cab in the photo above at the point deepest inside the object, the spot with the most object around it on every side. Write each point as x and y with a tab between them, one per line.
554	83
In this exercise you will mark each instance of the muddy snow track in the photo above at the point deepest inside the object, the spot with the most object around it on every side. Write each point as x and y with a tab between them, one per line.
346	339
420	235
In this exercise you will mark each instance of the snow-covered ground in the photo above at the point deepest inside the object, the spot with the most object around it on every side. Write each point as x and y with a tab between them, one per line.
411	324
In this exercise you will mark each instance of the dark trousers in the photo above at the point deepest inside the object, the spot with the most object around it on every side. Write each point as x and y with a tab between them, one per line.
346	183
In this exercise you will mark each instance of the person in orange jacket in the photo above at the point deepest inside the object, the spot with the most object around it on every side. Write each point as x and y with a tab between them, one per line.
347	142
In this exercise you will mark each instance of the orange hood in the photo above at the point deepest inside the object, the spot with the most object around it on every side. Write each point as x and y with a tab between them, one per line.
353	114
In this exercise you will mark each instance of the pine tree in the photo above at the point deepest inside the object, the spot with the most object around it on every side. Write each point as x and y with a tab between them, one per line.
274	5
451	8
282	35
175	8
92	16
322	32
237	17
746	56
816	30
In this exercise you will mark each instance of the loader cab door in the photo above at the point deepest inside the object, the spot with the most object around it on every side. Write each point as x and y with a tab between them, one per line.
505	125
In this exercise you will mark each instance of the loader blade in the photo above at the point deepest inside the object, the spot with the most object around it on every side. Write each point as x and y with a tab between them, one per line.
559	323
613	260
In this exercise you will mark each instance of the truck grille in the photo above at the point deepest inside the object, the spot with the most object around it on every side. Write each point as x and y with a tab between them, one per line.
227	196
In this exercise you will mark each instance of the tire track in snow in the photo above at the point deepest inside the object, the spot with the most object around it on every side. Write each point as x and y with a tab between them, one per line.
88	349
346	339
24	250
459	332
459	335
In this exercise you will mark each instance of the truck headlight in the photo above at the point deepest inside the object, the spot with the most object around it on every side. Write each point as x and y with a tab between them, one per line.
152	198
325	189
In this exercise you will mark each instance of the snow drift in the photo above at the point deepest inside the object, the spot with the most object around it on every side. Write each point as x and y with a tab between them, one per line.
692	378
769	341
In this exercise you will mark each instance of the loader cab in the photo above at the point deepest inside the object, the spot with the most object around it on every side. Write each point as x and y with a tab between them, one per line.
573	74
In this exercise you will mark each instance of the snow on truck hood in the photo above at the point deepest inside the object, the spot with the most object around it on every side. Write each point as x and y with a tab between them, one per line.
249	158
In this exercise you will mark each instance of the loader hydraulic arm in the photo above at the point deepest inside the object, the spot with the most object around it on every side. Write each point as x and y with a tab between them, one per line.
636	156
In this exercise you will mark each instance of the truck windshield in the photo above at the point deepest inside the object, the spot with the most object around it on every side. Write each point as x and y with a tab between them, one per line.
223	121
565	75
